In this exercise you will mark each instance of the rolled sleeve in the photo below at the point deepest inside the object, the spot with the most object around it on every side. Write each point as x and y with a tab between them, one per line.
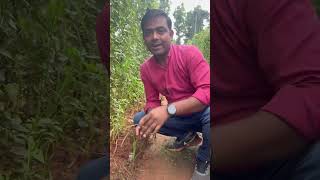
299	107
203	95
200	76
288	40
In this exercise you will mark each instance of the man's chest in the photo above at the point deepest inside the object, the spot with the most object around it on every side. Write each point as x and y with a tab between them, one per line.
171	80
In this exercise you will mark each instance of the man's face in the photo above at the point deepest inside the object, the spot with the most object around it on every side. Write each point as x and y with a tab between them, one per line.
157	36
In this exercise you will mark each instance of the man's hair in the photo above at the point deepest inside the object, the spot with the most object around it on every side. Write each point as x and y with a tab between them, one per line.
152	13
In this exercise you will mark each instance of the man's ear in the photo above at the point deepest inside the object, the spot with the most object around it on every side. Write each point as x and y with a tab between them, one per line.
171	33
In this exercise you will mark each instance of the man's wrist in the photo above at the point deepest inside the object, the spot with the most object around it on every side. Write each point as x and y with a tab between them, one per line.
171	110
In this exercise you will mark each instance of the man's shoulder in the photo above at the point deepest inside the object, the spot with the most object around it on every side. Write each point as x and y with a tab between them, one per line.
185	48
186	51
146	63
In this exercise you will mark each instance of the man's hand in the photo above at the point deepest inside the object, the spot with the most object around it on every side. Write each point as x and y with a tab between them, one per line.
152	122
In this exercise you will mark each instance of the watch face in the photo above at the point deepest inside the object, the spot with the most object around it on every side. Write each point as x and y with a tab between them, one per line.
171	109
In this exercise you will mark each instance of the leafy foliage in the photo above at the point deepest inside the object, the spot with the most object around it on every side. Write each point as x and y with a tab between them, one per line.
194	22
316	4
189	23
53	88
127	53
179	24
202	41
164	5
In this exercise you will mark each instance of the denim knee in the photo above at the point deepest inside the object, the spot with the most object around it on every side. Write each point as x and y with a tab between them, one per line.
137	117
95	169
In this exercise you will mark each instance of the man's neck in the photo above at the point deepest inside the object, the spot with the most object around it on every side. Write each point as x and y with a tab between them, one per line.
162	60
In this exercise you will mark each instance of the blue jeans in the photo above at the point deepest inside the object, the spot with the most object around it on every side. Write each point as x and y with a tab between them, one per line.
305	166
179	126
95	169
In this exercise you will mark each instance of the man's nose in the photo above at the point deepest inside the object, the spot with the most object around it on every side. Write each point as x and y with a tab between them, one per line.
155	35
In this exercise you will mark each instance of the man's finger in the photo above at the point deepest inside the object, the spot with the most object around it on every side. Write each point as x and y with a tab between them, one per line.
144	119
137	130
149	122
146	127
150	129
143	130
156	129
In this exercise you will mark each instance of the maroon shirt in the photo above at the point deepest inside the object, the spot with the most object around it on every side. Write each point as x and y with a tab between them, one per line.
266	56
185	75
103	35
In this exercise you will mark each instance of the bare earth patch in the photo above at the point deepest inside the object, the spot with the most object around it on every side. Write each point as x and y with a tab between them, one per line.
65	163
151	161
161	164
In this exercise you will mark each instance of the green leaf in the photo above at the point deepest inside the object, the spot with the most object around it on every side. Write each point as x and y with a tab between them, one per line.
2	76
1	93
17	124
6	54
45	121
12	90
82	123
12	24
19	150
38	155
2	106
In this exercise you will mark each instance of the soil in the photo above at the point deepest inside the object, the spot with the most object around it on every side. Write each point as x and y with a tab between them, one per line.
161	164
122	164
152	162
65	164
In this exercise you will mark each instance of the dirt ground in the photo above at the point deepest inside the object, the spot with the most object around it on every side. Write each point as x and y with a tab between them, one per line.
153	161
161	164
65	164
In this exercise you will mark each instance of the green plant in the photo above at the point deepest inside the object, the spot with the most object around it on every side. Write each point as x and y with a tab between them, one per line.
53	89
127	53
202	41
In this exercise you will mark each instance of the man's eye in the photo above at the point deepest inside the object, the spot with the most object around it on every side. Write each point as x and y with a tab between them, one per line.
147	33
161	31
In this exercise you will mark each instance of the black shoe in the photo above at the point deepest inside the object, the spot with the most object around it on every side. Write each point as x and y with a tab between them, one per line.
191	139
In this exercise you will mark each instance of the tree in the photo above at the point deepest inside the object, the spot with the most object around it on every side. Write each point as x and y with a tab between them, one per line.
194	22
316	4
179	24
165	6
202	41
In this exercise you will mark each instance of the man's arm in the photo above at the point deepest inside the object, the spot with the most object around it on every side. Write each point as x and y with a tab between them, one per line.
253	141
287	36
199	75
188	106
154	120
151	94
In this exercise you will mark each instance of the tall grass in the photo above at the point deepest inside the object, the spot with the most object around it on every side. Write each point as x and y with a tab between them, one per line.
53	89
127	53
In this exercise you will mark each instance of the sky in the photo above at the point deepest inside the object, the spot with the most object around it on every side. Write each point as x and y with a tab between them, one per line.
188	6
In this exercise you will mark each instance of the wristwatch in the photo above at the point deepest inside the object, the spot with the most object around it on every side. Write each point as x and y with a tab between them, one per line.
171	110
